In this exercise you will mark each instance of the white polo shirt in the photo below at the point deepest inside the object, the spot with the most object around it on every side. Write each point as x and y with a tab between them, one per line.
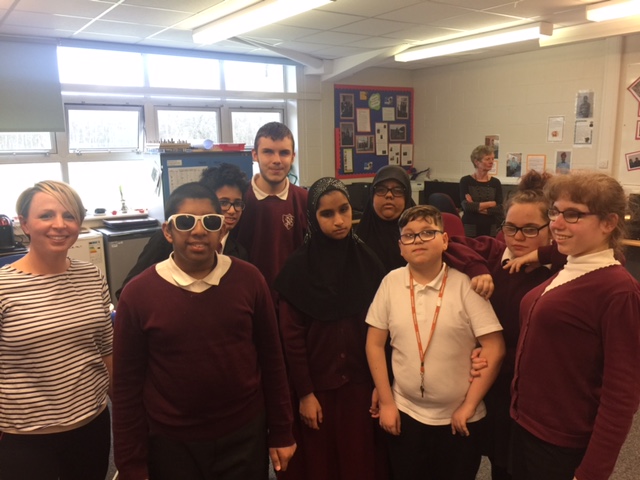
463	317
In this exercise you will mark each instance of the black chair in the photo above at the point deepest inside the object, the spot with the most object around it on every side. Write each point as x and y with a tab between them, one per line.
443	202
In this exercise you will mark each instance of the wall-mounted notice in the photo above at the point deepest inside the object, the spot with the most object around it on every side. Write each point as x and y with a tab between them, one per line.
373	128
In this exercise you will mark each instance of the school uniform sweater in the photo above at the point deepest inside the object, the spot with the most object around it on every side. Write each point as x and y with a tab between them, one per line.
577	381
272	228
196	366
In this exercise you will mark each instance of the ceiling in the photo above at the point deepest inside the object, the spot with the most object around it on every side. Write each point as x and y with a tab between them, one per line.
334	40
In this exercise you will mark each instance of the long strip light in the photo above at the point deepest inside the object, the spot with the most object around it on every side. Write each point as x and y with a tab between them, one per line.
259	15
604	11
465	44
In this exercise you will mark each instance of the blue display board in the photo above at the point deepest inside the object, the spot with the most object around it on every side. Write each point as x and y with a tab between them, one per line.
373	128
180	168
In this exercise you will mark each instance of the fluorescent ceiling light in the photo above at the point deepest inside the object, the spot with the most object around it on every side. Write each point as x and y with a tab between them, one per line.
465	44
592	31
259	15
601	12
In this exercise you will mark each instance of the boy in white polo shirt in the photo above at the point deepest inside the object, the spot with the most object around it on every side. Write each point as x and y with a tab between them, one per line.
434	320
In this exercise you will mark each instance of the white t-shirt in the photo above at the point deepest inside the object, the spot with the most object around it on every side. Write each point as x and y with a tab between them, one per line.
463	317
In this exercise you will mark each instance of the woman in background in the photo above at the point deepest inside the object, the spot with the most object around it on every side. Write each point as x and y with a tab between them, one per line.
325	289
576	384
55	348
481	195
378	228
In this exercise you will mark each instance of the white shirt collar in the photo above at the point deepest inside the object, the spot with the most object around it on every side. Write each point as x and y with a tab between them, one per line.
169	271
261	195
434	284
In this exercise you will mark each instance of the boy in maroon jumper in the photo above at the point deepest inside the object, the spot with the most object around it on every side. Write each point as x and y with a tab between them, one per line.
200	390
274	222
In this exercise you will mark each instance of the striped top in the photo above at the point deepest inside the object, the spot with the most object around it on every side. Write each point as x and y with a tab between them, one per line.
54	331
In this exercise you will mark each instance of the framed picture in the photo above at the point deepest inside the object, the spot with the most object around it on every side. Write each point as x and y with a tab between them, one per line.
346	134
397	132
633	161
514	164
365	144
634	88
346	105
638	130
402	107
563	162
537	162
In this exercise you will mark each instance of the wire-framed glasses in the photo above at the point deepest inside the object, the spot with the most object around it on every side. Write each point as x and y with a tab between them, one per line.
425	236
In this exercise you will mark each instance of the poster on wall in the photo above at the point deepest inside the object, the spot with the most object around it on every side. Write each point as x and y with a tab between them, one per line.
373	128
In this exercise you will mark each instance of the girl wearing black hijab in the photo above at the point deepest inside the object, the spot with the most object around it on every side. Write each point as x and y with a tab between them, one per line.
325	290
378	228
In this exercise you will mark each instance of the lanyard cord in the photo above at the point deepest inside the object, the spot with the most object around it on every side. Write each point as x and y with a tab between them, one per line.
422	352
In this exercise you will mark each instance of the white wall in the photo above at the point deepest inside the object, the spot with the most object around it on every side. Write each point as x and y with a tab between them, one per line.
511	96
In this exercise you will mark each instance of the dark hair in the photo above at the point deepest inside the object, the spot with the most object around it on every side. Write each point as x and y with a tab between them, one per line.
602	194
530	191
427	212
193	190
224	175
274	131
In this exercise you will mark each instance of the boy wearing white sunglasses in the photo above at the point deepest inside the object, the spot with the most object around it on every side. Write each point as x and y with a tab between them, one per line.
200	390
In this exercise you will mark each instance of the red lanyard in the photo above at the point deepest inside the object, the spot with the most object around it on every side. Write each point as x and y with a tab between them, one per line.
422	352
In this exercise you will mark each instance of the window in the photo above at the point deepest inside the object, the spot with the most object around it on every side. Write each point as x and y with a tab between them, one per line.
190	125
104	128
245	124
99	184
86	66
183	72
19	177
27	142
257	77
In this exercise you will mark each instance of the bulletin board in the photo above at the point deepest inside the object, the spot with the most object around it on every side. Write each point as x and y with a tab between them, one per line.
373	128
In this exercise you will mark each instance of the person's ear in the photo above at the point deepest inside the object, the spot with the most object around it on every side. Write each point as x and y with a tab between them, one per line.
23	225
609	223
166	230
445	240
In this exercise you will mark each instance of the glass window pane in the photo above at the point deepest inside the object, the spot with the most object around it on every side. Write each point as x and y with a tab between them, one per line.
191	126
246	124
256	77
25	142
134	176
183	72
100	67
104	129
19	177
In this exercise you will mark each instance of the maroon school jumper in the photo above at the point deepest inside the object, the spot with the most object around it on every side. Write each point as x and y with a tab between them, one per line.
271	229
196	366
577	381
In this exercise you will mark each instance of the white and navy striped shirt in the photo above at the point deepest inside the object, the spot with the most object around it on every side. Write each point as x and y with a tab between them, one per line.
54	331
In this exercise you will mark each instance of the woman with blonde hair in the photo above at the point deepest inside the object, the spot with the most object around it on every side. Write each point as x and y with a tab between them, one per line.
55	348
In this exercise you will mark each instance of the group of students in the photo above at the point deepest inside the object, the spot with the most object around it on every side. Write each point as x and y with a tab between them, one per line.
343	351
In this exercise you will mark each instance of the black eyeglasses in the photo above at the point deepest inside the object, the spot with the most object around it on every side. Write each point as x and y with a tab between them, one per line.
382	191
529	232
227	204
186	222
425	236
570	216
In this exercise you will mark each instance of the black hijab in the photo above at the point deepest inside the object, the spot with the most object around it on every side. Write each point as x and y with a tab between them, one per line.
329	279
382	235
